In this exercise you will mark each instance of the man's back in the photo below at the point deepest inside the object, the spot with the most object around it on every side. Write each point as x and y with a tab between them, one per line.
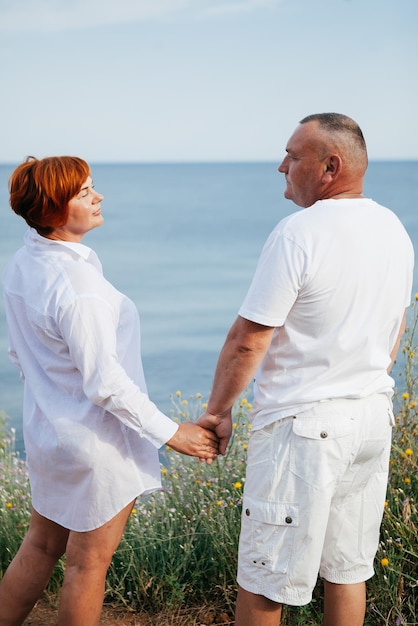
334	279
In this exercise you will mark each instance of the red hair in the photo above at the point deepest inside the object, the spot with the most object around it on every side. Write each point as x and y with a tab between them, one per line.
40	190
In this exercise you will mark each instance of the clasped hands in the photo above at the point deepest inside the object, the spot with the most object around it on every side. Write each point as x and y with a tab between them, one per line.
205	438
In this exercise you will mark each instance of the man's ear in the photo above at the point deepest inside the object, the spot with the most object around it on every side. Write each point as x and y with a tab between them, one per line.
333	165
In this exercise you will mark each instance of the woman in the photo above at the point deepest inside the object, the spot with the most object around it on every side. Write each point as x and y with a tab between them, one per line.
91	433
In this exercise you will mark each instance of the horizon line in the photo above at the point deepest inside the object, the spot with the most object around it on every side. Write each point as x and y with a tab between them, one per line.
211	161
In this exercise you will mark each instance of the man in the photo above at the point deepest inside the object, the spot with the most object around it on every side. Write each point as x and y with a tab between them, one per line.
319	329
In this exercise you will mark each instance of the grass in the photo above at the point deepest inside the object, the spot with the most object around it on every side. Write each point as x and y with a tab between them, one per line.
179	549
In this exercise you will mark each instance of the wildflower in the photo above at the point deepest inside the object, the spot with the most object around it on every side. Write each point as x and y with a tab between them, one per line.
184	402
234	425
386	504
407	480
249	406
237	485
405	395
9	505
384	562
408	452
243	401
250	426
164	471
133	512
416	296
244	445
178	394
219	503
198	396
204	406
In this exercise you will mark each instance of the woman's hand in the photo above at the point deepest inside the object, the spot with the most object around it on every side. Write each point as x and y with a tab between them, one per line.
196	441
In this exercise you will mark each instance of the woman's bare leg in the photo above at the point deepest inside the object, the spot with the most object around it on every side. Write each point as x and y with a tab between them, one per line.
29	572
88	558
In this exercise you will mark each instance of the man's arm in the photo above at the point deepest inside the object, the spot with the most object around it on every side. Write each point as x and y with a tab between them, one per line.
244	348
397	342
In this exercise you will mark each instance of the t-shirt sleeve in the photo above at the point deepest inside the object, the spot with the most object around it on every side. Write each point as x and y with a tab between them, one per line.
278	278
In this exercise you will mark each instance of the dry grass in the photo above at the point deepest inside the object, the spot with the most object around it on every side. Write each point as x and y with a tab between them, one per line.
45	614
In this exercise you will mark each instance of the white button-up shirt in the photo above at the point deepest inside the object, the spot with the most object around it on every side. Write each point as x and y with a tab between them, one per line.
91	432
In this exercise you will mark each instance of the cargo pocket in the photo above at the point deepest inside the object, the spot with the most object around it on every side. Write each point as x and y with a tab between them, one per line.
267	539
320	448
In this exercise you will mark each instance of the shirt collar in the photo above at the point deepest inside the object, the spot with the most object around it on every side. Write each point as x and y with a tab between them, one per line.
33	238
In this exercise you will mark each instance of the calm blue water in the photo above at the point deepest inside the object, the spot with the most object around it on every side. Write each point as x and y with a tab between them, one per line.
183	241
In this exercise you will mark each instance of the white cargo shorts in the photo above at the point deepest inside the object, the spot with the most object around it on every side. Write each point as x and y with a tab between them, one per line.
314	498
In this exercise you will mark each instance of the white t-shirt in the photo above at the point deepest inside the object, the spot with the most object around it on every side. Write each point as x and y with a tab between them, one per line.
91	433
334	279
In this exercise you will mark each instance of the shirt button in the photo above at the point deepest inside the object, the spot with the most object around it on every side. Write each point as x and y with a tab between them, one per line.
247	512
324	434
288	520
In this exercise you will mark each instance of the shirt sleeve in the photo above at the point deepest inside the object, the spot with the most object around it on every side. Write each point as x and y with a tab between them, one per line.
15	360
279	275
88	327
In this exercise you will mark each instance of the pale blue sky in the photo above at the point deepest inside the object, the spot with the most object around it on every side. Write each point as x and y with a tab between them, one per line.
202	80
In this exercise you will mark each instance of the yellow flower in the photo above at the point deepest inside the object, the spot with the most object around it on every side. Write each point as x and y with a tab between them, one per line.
198	396
416	296
133	512
243	401
405	395
164	470
250	426
167	448
408	452
9	505
244	445
204	406
407	480
197	482
237	485
178	394
384	562
219	503
386	504
249	406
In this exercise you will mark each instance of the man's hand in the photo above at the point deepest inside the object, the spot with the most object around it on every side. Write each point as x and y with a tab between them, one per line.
196	441
221	425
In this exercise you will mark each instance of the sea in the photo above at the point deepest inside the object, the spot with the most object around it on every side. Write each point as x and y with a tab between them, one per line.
182	241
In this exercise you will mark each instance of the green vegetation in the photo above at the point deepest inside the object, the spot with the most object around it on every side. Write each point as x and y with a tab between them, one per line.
179	548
